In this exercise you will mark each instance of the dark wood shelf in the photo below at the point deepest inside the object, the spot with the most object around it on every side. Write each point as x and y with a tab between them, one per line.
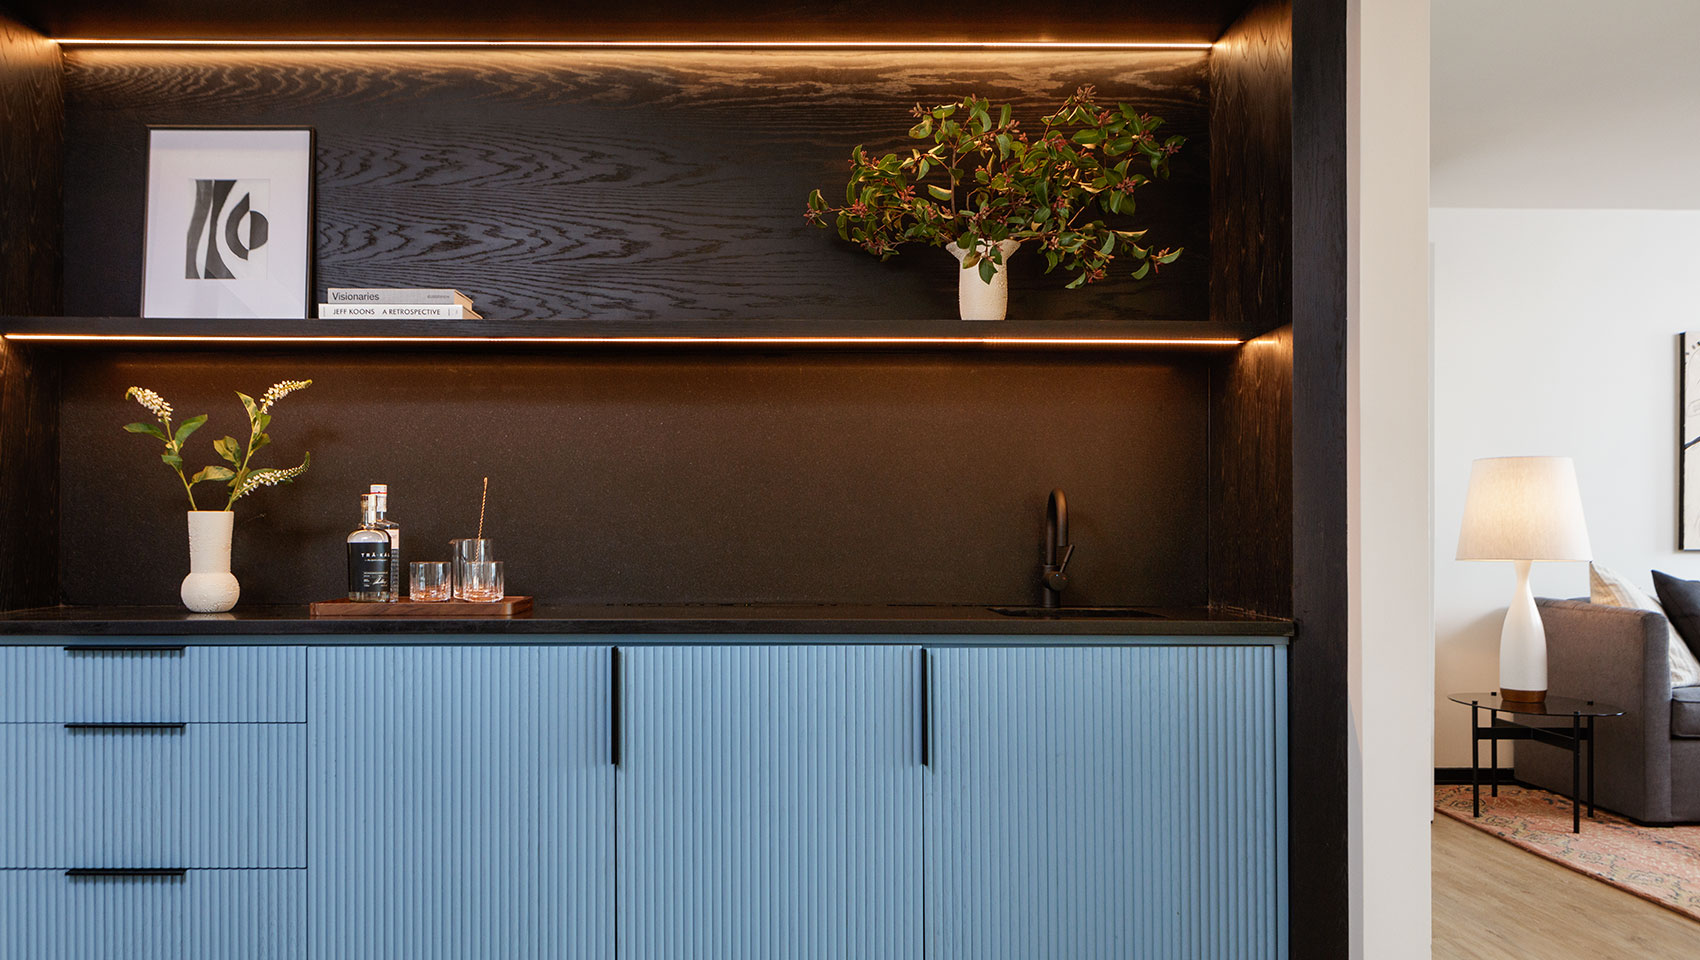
130	333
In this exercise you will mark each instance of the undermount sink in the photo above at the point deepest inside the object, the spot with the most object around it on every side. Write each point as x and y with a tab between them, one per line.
1117	613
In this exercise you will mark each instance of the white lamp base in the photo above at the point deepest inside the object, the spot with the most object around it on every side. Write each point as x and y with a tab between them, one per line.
1523	645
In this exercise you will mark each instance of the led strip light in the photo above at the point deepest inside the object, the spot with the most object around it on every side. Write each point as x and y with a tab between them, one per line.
647	44
640	339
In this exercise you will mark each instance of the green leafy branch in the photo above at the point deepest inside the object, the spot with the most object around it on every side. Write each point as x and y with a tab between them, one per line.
241	477
983	179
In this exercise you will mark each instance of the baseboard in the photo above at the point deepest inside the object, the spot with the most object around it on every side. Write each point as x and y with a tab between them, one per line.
1454	776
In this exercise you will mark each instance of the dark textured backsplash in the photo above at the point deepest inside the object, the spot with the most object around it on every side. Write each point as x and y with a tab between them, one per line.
616	185
655	477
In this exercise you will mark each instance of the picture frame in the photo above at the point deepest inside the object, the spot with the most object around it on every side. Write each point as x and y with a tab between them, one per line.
1688	446
229	226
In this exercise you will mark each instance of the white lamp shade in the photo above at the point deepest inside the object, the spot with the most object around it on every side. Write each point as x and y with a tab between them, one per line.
1523	508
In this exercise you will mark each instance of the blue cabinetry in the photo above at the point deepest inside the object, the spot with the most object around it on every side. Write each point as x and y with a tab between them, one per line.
462	803
770	803
1106	802
705	797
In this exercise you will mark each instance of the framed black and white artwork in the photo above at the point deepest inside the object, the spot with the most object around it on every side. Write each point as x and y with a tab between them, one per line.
1690	453
229	222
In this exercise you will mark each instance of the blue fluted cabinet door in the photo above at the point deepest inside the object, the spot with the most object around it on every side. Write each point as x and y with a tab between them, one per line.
1106	803
769	803
461	803
204	915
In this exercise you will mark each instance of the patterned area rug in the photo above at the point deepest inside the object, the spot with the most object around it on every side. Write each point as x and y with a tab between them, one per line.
1661	864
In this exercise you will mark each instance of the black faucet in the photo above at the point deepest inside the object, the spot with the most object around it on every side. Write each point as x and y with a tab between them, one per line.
1057	550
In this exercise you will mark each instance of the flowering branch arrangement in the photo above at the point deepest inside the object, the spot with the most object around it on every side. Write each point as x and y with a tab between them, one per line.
241	477
984	180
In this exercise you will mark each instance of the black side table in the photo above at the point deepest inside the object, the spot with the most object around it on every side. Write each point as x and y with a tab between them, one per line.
1581	714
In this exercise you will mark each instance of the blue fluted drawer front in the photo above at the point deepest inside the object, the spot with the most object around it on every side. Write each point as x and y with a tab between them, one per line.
194	685
770	803
206	795
462	803
202	915
1110	803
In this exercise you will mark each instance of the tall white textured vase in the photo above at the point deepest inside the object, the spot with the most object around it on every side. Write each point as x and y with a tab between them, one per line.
210	587
975	298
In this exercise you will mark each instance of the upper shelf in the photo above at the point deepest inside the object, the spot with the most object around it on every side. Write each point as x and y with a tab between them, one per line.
152	333
657	20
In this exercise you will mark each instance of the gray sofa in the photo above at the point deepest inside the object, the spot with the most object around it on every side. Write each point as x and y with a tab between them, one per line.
1648	767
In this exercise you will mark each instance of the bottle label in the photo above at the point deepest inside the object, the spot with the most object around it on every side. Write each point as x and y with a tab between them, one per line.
368	567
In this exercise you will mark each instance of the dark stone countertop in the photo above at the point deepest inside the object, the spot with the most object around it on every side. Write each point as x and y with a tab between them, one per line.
819	622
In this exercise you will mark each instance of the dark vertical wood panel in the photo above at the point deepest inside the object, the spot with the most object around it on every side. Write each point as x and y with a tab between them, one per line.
31	145
649	477
1251	477
615	185
1251	512
1321	710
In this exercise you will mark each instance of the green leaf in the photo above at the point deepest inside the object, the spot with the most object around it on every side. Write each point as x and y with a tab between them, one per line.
938	192
189	426
249	405
229	449
1003	116
923	129
1143	269
172	460
1171	256
260	440
988	269
1077	281
922	168
1088	137
150	429
212	473
1108	244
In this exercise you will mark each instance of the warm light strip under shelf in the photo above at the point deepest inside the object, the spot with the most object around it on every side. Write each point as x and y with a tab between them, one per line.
648	44
800	341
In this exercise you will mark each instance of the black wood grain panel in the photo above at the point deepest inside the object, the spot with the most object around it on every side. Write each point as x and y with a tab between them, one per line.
1251	477
31	130
1192	20
640	478
623	185
1251	513
1321	887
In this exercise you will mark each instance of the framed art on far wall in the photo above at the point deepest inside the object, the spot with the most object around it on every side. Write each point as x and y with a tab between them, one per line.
229	222
1689	482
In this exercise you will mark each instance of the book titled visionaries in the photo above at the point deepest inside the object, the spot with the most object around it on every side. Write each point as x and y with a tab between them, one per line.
422	295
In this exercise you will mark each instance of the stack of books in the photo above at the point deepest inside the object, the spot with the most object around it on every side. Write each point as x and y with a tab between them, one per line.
372	303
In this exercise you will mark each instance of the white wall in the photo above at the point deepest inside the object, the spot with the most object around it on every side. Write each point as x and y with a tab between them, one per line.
1566	103
1555	334
1388	451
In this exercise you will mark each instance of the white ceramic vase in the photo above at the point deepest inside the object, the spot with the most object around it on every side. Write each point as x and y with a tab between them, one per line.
210	587
975	298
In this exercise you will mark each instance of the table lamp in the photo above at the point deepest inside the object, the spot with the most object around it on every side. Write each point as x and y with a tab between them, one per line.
1523	509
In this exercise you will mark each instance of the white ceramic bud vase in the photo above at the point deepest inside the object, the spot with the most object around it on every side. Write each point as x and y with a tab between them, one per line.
210	587
975	298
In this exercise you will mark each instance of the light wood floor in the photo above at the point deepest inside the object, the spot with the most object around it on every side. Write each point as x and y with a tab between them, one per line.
1493	901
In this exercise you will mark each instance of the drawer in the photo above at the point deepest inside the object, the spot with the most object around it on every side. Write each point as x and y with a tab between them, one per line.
194	684
200	915
202	795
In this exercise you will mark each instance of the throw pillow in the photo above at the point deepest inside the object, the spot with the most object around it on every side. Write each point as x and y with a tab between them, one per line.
1608	589
1681	600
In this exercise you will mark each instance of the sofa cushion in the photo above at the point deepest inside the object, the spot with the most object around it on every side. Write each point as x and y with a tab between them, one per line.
1608	589
1681	600
1685	712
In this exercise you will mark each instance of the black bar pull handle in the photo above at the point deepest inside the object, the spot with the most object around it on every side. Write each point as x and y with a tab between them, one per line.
123	648
126	726
614	707
98	872
926	709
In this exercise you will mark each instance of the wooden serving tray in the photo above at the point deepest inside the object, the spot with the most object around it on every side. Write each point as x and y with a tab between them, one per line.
442	609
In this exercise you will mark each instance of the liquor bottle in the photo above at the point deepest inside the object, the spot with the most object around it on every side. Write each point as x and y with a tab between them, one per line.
381	494
369	557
